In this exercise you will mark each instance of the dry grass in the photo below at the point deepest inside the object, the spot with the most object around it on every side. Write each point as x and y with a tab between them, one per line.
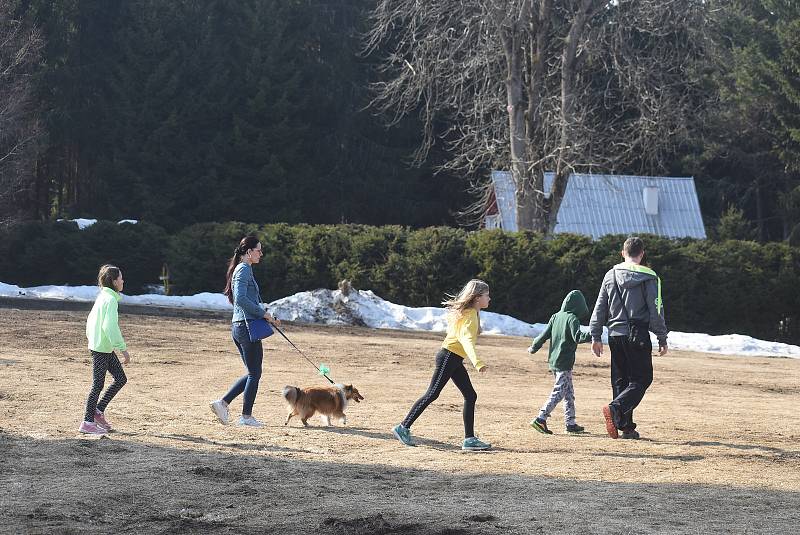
720	450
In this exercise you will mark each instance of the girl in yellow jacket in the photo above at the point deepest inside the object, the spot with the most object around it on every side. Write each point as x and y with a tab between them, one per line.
102	331
463	326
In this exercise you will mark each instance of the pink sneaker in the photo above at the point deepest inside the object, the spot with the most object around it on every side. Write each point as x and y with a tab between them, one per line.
100	419
91	428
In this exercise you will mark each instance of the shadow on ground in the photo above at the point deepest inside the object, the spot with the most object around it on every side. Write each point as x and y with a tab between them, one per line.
116	485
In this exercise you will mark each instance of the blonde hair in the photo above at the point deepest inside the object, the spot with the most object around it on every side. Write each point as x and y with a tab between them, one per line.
107	275
457	304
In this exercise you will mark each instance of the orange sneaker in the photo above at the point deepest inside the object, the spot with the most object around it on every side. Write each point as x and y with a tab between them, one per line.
611	429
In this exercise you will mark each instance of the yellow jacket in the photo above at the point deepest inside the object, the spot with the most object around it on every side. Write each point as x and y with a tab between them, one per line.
462	335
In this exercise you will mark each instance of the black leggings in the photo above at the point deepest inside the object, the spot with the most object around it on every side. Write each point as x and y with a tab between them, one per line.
448	366
102	363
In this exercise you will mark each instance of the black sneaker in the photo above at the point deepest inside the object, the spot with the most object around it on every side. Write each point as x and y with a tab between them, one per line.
541	426
575	428
630	434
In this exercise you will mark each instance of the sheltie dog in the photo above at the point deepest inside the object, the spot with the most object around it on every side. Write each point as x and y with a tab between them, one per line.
328	401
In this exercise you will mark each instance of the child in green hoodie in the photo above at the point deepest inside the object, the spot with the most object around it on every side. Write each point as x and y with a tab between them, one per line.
564	332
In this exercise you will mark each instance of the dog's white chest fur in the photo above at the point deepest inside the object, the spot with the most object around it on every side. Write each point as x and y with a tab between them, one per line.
342	396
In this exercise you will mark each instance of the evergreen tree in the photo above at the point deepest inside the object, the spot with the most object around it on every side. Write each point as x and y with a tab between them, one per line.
747	153
213	110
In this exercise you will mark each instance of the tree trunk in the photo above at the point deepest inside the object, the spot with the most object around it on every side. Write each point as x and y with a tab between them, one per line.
567	141
556	197
532	208
525	196
761	228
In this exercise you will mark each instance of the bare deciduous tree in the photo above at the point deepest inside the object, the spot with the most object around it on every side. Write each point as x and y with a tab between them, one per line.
538	85
19	128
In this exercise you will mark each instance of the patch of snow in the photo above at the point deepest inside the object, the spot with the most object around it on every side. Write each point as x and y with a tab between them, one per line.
363	307
82	223
85	223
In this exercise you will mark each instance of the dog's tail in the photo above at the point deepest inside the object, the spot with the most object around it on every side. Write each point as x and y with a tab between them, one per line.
291	394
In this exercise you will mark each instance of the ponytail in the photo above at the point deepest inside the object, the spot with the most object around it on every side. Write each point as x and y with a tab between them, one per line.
247	243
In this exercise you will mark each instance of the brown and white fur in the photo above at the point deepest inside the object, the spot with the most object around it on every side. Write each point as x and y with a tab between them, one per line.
329	401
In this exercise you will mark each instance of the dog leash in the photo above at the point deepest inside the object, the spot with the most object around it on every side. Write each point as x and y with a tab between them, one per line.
321	372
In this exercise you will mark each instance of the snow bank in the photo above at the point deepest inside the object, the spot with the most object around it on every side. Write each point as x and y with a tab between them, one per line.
363	307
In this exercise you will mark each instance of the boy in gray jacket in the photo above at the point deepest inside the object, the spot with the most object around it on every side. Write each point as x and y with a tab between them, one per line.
630	305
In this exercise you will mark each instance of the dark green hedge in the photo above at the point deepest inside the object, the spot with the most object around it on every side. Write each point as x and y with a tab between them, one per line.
714	287
36	254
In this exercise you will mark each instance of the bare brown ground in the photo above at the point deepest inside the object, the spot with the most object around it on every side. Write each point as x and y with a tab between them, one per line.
720	451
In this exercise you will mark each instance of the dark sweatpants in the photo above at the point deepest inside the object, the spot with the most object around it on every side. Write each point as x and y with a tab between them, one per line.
448	366
631	374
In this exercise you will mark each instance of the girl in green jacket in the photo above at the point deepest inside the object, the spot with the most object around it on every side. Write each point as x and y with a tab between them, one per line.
102	331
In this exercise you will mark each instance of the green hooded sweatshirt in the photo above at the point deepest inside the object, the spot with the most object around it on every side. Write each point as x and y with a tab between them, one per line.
564	332
102	325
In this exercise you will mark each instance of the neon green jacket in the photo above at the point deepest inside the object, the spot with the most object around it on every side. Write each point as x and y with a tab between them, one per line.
102	325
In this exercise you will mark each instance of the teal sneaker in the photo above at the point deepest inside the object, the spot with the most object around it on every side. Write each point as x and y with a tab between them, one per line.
403	434
474	444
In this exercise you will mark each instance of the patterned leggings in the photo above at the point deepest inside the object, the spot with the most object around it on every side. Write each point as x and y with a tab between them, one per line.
562	389
102	363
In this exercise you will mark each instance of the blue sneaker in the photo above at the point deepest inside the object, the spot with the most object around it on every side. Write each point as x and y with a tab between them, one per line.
403	434
474	444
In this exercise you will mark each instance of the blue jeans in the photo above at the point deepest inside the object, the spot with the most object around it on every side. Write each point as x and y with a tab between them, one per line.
252	354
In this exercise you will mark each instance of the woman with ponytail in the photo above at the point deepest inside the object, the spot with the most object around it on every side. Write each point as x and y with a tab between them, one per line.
243	293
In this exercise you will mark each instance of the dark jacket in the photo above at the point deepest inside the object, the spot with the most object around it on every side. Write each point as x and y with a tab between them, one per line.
640	290
564	332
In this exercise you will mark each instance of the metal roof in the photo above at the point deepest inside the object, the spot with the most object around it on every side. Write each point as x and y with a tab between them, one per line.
506	197
596	205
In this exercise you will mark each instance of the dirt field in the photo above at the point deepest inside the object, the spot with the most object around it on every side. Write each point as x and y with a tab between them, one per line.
720	452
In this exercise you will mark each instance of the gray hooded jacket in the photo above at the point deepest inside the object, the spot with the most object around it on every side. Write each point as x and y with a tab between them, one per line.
641	293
